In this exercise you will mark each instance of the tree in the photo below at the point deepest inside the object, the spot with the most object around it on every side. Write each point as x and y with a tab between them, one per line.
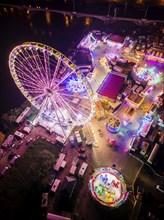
38	171
2	137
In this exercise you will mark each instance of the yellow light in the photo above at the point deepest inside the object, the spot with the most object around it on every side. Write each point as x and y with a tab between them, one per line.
48	17
87	21
5	10
139	1
12	10
31	25
66	20
71	18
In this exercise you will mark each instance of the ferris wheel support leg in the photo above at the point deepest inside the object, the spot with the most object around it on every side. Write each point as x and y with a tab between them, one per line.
36	119
55	107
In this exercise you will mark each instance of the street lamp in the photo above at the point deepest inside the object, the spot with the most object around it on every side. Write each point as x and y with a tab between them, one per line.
108	10
146	12
73	5
115	12
126	6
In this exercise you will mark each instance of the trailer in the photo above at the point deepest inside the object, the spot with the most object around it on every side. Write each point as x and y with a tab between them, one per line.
60	140
82	170
79	141
22	115
19	135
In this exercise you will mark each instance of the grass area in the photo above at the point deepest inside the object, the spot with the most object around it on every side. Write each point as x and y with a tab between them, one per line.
21	187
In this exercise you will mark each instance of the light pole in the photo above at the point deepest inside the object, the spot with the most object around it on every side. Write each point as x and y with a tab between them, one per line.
146	12
108	10
115	12
126	3
73	5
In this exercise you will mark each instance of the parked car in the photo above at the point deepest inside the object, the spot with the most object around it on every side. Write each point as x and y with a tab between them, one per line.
29	140
13	145
81	150
2	152
12	161
11	155
20	143
5	170
82	156
100	132
44	202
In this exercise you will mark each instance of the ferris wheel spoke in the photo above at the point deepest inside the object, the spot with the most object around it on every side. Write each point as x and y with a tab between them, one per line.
74	96
32	89
47	65
66	106
27	75
42	106
63	79
28	81
37	97
58	117
36	83
32	86
37	65
57	107
75	107
41	67
30	64
72	107
56	70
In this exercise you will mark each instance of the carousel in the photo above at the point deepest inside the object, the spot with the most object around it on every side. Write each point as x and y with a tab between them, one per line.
113	124
107	186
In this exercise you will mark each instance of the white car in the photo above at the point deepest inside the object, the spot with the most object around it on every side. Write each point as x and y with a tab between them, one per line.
5	170
12	161
29	140
160	188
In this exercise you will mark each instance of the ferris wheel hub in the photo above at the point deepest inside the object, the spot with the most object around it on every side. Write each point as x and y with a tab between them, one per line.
48	92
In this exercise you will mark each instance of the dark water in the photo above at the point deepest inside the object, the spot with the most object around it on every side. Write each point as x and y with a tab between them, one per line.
56	30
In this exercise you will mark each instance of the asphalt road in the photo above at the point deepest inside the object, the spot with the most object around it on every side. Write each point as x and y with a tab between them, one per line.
152	198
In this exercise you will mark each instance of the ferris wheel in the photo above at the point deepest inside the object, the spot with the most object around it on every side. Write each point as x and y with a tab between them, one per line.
42	73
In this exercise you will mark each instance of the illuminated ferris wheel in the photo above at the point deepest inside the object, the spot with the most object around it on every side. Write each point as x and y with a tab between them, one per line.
44	75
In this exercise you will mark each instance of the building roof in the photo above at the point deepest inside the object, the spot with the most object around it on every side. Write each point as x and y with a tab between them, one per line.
116	38
111	86
68	186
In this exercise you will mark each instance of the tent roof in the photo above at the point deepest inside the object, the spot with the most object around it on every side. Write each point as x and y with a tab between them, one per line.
68	186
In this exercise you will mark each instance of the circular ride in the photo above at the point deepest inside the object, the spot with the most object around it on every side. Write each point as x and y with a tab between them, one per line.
107	187
113	124
147	73
76	85
42	73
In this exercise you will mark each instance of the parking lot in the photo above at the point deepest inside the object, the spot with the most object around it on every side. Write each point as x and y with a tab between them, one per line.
99	155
